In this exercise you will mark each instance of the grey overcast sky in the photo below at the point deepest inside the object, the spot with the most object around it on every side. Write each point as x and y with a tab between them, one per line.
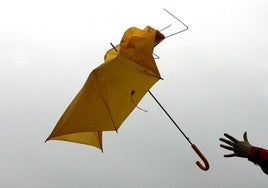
215	81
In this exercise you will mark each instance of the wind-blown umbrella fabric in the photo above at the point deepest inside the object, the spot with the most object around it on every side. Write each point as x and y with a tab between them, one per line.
112	90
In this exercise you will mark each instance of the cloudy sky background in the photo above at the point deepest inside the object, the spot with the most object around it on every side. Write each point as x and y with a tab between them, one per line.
215	81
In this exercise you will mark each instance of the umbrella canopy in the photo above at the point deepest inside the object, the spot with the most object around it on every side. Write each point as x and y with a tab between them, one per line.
112	90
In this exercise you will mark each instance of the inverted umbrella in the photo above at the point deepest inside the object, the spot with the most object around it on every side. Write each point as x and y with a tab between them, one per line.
113	90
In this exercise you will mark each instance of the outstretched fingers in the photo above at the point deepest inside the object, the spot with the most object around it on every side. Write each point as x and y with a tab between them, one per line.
230	138
227	147
227	142
230	155
234	154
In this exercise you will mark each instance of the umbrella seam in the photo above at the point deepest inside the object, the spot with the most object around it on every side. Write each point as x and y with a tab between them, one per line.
105	102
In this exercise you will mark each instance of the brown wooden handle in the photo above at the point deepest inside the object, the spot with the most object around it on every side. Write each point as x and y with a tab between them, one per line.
198	152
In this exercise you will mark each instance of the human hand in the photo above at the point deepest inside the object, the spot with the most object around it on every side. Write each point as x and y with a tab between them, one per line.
240	148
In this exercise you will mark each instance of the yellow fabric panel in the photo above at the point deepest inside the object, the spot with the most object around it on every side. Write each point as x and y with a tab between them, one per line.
123	83
112	90
89	138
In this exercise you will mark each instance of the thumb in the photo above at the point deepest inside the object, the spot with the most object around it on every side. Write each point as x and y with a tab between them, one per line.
245	136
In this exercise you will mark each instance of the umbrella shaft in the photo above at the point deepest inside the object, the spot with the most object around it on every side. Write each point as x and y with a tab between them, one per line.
187	138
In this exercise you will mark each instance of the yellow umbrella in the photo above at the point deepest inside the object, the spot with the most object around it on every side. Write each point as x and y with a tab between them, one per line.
114	89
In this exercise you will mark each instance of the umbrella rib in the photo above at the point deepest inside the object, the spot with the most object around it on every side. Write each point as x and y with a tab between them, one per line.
186	27
100	139
101	93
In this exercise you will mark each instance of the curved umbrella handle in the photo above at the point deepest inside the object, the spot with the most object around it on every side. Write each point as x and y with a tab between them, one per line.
198	152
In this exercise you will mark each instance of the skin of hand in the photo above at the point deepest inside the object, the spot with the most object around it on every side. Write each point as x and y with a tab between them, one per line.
239	148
